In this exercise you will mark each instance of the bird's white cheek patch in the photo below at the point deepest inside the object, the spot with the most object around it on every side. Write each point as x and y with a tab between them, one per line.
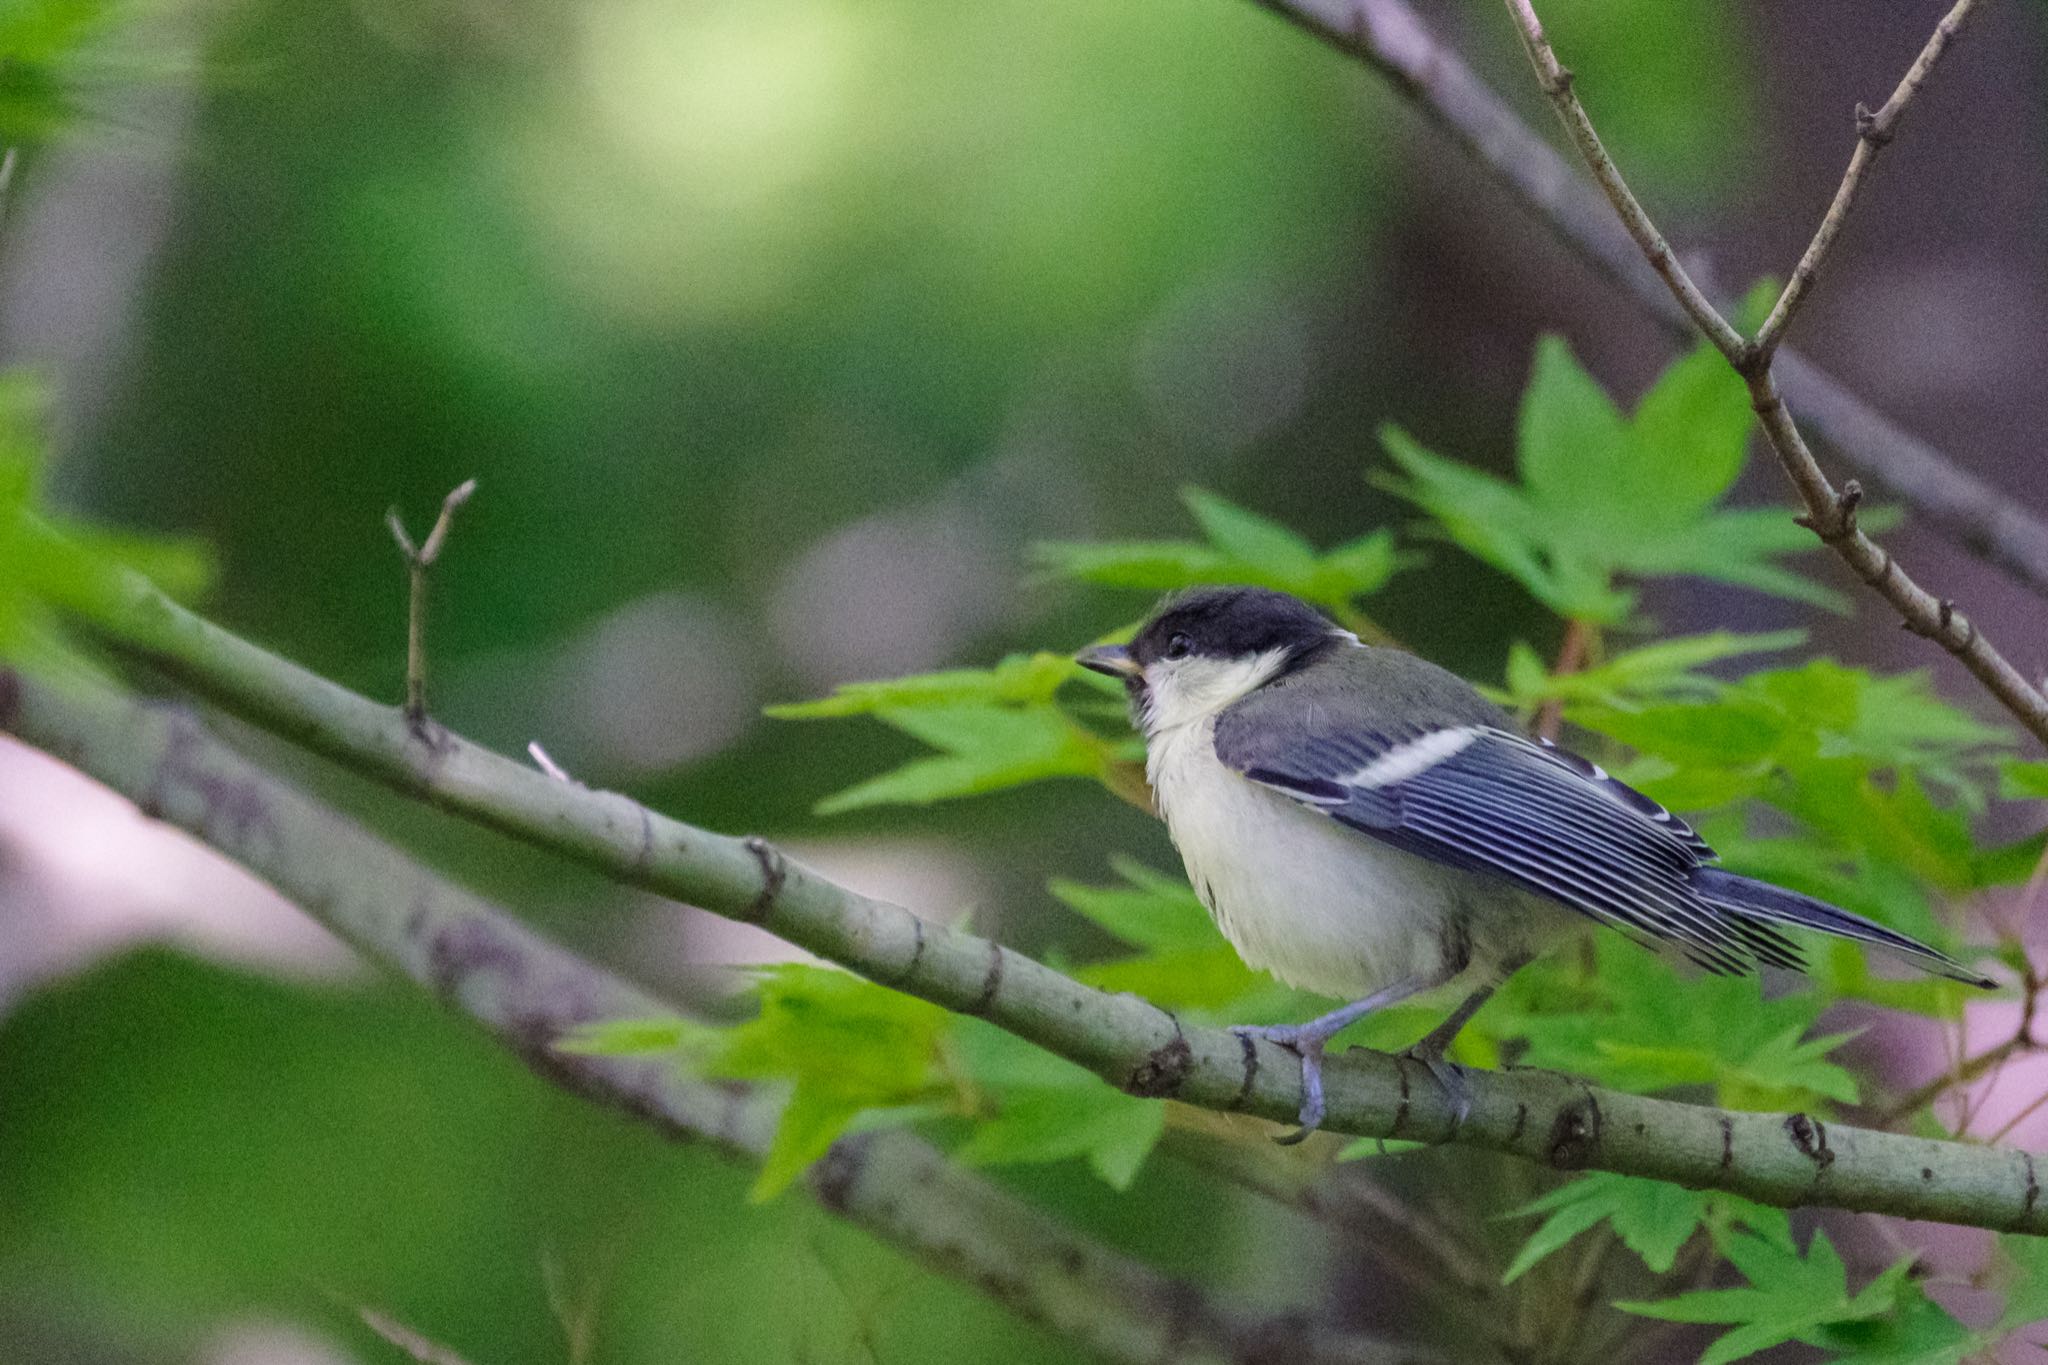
1404	761
1191	689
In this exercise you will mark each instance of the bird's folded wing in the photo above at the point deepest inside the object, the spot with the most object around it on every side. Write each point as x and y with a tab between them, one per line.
1487	800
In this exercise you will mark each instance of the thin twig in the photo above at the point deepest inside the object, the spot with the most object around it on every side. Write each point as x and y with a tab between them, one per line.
1349	1202
419	1348
1582	1291
1873	131
2031	1108
10	162
417	561
1557	84
1976	1101
1913	1101
575	1312
1830	514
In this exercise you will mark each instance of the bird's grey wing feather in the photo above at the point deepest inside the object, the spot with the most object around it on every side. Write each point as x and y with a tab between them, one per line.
1473	795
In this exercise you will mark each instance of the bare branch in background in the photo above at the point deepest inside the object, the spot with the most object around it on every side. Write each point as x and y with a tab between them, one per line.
1831	514
1390	39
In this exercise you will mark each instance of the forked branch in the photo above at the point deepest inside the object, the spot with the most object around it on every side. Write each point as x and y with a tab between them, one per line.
1390	39
419	559
1830	513
1873	132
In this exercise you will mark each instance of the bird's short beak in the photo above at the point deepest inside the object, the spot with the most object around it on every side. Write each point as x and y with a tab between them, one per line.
1115	660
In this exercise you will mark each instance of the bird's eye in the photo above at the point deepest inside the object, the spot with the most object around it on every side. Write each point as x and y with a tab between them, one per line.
1179	647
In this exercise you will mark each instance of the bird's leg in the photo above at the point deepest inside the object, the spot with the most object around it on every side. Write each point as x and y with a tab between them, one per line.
1438	1040
1307	1041
1430	1048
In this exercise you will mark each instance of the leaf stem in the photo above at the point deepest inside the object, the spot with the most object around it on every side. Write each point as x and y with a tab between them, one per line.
1572	654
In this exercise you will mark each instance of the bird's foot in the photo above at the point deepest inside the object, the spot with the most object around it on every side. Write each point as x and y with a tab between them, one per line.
1306	1043
1307	1040
1449	1076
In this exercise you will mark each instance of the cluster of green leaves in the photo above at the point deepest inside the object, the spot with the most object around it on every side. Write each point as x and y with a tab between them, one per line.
1806	1298
45	558
1664	670
1872	787
1633	1024
1177	958
993	728
1861	788
1653	1219
856	1056
1790	1295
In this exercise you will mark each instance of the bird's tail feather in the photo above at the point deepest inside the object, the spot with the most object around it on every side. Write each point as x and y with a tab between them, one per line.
1759	902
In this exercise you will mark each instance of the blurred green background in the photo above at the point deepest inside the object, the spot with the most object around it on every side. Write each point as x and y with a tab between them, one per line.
775	333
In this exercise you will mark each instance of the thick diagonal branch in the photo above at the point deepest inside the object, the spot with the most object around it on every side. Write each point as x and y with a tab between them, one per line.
530	994
1831	513
1777	1159
1391	40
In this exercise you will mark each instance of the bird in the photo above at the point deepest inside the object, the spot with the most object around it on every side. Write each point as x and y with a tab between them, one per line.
1363	824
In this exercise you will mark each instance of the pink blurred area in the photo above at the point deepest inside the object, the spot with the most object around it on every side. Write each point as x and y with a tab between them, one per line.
2008	1107
84	874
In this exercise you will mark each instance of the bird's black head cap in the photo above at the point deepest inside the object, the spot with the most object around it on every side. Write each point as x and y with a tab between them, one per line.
1232	623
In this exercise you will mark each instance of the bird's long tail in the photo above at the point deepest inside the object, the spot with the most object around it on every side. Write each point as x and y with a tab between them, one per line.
1761	904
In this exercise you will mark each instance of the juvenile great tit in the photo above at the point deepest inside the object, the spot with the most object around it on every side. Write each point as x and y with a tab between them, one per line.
1363	824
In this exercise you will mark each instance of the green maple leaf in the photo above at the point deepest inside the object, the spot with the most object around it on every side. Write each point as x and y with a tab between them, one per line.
1653	1219
1604	498
1042	1108
1789	1297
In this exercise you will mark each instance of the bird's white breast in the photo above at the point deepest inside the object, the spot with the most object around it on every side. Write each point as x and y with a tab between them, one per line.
1321	906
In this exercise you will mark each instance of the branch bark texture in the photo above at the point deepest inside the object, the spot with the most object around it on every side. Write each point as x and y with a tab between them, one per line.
1391	39
1778	1159
530	994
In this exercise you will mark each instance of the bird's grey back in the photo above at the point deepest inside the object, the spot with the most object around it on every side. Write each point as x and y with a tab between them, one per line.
1350	692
